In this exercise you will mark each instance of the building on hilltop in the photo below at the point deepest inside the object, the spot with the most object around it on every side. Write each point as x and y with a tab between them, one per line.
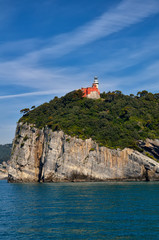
92	92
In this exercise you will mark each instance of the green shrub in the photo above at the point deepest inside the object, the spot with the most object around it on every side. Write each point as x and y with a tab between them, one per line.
22	145
25	138
92	149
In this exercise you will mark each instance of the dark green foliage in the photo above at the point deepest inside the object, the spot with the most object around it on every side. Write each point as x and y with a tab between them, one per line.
5	152
115	120
92	149
25	110
22	145
32	107
25	138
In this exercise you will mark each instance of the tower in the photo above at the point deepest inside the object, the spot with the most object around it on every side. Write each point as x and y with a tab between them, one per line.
96	83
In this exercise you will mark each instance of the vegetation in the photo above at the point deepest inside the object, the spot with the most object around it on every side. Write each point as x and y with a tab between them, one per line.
115	120
25	138
5	152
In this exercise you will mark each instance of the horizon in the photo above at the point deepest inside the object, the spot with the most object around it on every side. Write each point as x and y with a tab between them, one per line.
49	48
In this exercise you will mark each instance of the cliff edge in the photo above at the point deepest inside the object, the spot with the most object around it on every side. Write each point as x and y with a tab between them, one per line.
47	156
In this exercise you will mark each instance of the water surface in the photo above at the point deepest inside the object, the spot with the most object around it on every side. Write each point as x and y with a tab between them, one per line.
79	211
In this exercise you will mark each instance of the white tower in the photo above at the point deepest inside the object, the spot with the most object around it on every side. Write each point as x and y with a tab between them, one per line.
96	81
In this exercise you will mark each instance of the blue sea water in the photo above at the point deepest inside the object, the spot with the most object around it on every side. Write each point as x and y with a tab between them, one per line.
79	211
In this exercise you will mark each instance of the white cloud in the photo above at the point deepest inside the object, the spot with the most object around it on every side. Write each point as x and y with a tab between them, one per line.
26	71
128	12
33	94
13	49
145	79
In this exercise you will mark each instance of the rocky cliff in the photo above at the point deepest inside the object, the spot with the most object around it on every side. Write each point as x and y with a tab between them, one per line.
44	155
4	170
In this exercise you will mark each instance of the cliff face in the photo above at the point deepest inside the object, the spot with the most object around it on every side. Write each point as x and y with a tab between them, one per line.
43	155
4	170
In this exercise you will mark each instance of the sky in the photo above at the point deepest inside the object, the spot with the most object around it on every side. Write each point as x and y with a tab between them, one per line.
51	47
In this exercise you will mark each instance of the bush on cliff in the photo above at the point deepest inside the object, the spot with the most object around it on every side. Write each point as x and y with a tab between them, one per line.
115	120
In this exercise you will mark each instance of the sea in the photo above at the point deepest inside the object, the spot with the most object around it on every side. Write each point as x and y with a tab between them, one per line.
103	210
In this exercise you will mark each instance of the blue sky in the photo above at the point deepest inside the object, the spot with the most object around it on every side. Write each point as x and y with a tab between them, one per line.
51	47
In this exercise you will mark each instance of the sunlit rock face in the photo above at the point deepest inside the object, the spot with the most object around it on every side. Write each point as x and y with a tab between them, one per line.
93	95
44	155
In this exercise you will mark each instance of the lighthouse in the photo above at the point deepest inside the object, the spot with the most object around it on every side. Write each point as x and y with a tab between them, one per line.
96	81
92	92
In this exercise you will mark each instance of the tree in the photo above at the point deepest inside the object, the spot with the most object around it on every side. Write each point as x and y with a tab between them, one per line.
25	110
143	93
118	92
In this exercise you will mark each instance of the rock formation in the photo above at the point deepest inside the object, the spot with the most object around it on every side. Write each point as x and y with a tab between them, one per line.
93	95
151	147
44	155
4	170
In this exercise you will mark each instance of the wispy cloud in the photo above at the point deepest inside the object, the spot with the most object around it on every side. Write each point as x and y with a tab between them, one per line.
40	78
15	49
146	78
33	94
125	14
128	12
27	70
133	52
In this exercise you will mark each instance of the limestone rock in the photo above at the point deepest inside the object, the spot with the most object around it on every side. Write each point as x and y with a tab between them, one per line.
44	155
150	146
4	170
93	95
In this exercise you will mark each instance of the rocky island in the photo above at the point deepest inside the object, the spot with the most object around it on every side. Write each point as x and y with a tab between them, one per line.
75	138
